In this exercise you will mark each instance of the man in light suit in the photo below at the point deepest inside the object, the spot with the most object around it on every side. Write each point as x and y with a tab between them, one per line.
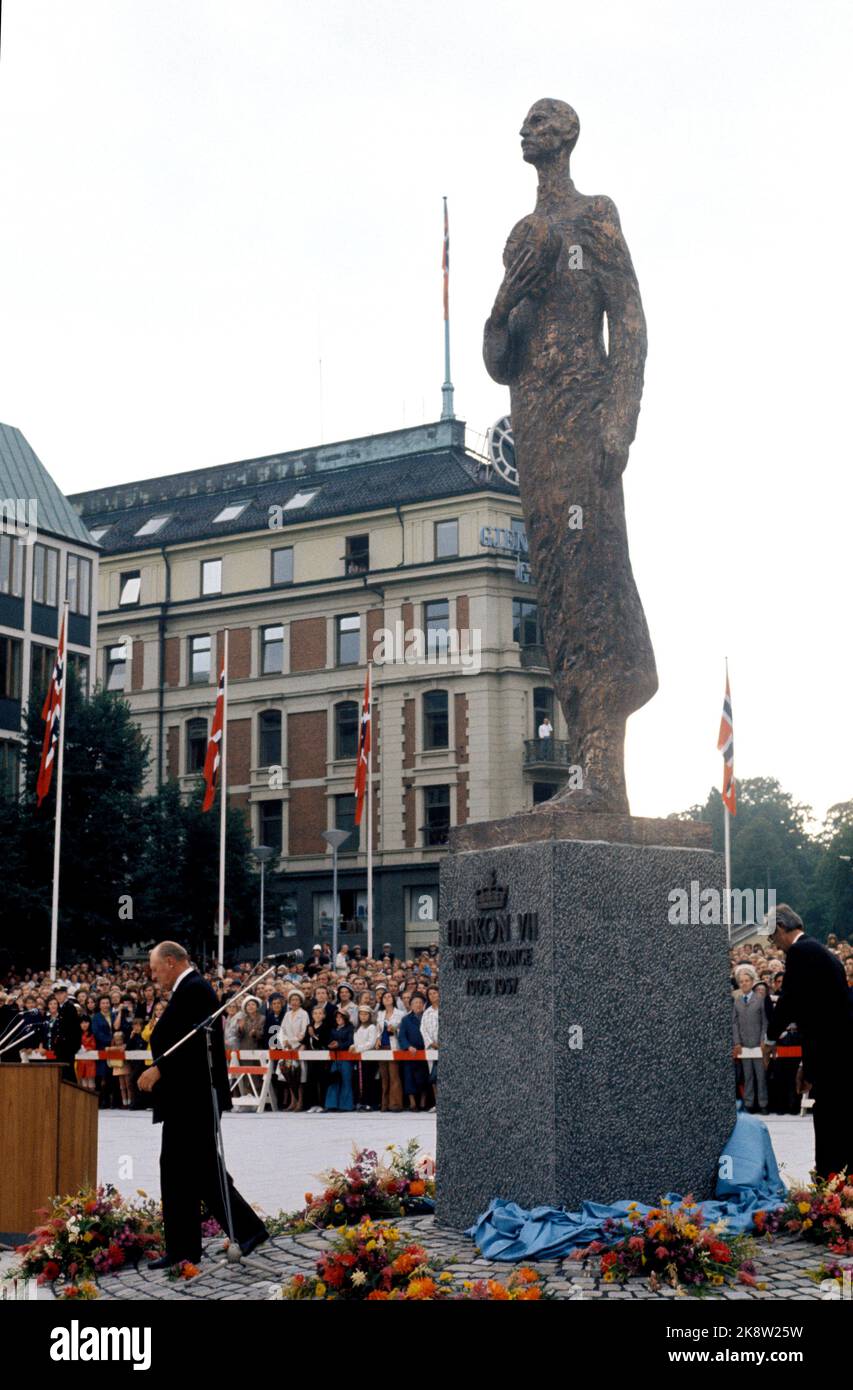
749	1028
180	1086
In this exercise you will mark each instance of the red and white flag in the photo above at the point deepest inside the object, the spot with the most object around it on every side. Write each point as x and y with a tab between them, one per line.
363	764
52	714
726	745
213	758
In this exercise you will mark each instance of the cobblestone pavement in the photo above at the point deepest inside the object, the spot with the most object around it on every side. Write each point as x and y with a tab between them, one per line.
781	1264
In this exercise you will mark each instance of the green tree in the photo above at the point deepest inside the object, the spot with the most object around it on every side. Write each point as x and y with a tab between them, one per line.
834	873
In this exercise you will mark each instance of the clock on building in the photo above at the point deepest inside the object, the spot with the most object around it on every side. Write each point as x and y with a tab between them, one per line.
502	450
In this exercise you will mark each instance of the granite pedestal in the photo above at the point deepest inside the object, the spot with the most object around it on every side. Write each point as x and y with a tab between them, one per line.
585	1038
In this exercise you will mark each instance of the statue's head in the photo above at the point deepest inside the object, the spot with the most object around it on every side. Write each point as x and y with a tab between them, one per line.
549	128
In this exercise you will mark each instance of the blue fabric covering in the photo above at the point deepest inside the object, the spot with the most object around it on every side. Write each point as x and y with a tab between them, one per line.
749	1181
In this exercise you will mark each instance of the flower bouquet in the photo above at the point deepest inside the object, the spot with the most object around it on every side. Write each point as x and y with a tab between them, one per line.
94	1232
374	1262
398	1184
671	1245
823	1213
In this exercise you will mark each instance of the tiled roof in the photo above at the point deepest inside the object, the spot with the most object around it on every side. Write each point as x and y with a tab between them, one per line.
24	477
360	487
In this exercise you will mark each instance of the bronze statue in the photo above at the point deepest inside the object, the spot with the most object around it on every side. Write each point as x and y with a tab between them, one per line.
575	401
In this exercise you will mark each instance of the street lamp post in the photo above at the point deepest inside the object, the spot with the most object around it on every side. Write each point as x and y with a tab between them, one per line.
334	839
263	854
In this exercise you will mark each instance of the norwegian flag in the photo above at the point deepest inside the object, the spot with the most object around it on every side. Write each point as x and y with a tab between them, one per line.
363	764
213	758
445	263
726	745
52	716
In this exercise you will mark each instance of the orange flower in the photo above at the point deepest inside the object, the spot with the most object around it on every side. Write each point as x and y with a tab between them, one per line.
189	1271
417	1188
528	1295
405	1263
496	1290
376	1295
421	1289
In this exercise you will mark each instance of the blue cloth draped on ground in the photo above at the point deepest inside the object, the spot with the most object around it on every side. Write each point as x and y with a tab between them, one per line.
749	1181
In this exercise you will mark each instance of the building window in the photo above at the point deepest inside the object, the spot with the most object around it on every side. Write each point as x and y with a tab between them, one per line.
269	825
9	754
80	666
346	729
436	720
99	532
298	500
116	667
525	623
436	815
131	583
543	707
345	820
196	744
543	791
282	565
446	539
199	660
357	558
42	661
230	513
269	740
436	624
11	565
152	526
211	577
78	584
10	668
45	573
272	650
348	644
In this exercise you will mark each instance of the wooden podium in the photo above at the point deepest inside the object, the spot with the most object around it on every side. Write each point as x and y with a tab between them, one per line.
49	1139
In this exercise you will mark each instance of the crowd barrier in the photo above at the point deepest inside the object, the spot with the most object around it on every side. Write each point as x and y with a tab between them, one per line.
120	1054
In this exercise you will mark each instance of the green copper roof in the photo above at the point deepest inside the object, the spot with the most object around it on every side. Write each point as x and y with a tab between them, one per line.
23	476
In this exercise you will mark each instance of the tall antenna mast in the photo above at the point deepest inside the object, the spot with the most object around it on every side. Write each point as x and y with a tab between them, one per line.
447	388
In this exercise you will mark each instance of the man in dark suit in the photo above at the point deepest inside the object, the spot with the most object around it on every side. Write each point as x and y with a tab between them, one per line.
180	1088
815	996
66	1041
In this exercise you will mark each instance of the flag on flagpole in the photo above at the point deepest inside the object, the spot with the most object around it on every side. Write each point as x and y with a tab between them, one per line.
363	764
213	757
445	264
726	745
52	714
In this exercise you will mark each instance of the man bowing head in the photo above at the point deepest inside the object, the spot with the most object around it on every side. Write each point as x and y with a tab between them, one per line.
182	1090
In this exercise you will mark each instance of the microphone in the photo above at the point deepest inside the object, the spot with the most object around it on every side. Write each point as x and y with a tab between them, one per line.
291	957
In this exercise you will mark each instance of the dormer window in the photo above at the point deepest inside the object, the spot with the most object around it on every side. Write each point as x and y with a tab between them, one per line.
231	512
152	525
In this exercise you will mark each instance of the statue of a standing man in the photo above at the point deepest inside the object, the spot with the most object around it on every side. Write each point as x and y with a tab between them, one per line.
575	401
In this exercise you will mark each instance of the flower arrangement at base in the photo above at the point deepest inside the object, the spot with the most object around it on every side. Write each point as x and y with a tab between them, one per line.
822	1212
398	1184
374	1262
834	1270
94	1232
184	1269
671	1245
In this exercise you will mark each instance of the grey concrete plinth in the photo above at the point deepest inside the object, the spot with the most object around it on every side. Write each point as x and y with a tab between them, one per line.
585	1038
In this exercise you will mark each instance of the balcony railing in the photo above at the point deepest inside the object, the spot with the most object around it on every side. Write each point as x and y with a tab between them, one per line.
533	654
547	752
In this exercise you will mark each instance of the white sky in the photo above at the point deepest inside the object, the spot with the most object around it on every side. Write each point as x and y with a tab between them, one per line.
200	200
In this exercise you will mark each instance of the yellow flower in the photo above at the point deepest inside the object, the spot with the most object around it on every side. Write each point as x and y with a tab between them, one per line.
371	1245
87	1236
691	1231
803	1208
807	1225
140	1192
665	1202
716	1278
446	1277
320	1289
467	1284
609	1277
339	1206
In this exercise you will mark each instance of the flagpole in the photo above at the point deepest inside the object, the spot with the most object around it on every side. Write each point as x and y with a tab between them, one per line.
370	817
57	832
447	388
222	805
728	852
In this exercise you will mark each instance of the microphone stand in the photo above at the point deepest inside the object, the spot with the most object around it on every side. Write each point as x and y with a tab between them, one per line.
233	1254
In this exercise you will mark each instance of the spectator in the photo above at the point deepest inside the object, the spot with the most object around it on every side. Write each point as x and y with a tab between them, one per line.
365	1039
388	1022
86	1070
339	1091
317	1036
749	1029
415	1073
292	1032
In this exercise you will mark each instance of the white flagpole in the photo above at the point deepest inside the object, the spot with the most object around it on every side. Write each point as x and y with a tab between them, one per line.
222	806
370	816
57	831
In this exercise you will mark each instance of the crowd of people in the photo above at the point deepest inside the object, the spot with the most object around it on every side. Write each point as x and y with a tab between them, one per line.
773	1081
352	1005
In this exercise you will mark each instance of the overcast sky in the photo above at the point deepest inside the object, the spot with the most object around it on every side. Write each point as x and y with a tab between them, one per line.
200	201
